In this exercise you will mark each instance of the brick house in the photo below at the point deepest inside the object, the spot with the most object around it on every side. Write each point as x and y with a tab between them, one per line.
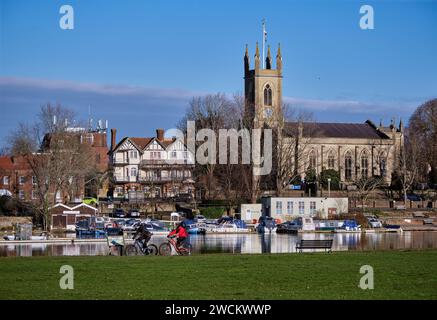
16	177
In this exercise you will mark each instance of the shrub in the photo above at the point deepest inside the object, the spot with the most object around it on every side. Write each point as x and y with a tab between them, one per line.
375	212
212	212
335	179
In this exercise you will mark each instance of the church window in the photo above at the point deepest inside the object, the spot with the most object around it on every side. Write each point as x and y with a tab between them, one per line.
331	160
382	165
348	166
364	165
267	96
313	160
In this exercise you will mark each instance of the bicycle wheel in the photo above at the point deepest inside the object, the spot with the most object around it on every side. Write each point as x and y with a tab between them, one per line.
165	249
153	249
186	251
131	250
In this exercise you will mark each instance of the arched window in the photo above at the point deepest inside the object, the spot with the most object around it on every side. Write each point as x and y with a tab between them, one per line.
348	166
331	160
267	95
364	165
312	160
382	162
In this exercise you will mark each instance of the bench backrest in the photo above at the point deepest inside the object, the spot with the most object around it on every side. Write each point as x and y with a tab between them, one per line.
316	243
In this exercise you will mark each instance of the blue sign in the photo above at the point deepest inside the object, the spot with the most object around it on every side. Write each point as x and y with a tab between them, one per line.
295	187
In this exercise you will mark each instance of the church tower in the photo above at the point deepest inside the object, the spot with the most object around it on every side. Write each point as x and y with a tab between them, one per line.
263	90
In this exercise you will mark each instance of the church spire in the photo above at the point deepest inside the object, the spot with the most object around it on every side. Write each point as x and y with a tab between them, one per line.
257	60
279	59
246	61
268	59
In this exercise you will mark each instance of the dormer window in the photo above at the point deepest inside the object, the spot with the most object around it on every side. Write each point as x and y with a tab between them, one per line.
267	95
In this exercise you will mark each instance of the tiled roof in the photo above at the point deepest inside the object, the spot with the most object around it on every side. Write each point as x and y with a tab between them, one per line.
6	163
141	142
166	142
13	163
336	130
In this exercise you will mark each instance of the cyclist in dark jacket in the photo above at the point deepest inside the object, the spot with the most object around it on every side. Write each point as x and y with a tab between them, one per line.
143	234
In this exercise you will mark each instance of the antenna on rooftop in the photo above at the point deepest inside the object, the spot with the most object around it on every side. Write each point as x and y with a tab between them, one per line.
90	120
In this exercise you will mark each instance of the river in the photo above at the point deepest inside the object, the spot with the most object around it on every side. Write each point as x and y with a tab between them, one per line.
244	244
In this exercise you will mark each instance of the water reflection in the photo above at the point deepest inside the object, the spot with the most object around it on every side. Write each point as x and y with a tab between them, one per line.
244	243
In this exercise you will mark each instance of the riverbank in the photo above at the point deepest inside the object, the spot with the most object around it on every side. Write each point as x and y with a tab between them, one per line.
398	275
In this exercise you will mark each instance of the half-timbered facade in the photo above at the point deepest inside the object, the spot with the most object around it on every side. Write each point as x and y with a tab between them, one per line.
151	167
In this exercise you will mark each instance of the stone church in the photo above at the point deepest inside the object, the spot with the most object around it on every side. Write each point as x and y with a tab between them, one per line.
355	150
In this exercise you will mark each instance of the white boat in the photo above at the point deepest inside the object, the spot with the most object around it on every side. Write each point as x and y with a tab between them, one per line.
226	227
32	238
42	237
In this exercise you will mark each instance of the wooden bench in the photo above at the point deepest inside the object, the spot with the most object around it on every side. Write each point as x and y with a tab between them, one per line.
314	244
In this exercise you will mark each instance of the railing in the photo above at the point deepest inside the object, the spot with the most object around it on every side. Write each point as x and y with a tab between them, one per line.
125	179
149	179
120	162
161	162
161	179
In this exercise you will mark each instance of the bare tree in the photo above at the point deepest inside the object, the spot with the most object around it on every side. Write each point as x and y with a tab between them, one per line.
293	144
54	152
213	112
365	187
408	166
422	129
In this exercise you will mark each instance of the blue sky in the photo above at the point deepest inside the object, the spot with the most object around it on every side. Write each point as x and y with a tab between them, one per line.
137	63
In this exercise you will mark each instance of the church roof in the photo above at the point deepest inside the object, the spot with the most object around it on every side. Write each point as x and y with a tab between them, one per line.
336	130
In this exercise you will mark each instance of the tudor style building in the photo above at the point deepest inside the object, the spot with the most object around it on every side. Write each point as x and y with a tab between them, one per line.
153	167
355	150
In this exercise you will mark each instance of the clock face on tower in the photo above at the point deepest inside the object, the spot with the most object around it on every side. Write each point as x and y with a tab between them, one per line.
268	112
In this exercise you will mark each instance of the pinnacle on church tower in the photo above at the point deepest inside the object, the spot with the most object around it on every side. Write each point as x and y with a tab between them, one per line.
268	59
257	60
246	61
279	59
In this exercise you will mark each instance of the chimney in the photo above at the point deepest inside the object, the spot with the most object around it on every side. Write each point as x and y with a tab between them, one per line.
160	134
113	138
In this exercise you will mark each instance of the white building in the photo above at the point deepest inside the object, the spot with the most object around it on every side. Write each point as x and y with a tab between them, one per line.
151	167
250	211
286	209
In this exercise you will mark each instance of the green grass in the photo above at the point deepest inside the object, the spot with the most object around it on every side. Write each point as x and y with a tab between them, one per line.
398	275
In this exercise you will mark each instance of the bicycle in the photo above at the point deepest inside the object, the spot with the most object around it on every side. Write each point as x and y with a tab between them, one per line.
165	248
138	248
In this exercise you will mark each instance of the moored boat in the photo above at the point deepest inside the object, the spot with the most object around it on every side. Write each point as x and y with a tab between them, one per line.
236	226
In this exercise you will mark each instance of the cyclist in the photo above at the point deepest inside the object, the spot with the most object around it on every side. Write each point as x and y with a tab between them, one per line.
181	233
143	234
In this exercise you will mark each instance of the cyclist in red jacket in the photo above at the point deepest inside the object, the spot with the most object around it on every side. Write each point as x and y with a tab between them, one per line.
181	233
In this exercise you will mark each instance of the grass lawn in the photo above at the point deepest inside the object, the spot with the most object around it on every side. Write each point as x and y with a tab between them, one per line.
397	274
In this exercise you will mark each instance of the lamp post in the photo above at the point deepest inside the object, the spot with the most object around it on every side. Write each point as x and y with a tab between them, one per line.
329	187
